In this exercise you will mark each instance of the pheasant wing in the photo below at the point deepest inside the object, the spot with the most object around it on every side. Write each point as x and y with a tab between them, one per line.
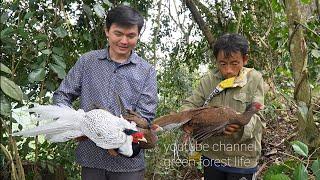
172	121
211	121
208	131
64	136
105	129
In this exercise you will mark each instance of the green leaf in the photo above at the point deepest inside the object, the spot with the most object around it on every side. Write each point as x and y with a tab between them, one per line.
99	10
58	69
315	53
59	60
303	110
279	177
28	15
108	3
58	51
46	51
306	1
60	32
316	168
5	106
274	170
21	31
300	148
300	172
4	68
41	37
4	17
37	75
50	85
41	45
7	32
87	36
11	89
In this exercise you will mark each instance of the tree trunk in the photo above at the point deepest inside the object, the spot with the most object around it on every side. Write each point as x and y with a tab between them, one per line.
308	131
197	17
155	34
318	8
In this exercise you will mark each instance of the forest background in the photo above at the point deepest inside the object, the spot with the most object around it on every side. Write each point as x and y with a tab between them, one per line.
41	40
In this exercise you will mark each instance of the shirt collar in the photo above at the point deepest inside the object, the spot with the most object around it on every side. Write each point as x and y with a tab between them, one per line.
104	55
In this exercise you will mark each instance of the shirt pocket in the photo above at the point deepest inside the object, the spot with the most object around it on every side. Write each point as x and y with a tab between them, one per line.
130	86
242	100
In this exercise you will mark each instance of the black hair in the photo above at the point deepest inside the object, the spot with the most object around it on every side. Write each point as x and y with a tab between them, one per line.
124	16
231	42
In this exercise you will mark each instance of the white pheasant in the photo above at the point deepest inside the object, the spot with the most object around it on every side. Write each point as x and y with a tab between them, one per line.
103	128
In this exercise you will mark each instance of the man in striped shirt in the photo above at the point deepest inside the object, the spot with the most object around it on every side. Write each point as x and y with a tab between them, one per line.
97	77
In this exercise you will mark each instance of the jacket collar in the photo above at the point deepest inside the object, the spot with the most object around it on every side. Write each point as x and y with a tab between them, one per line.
240	80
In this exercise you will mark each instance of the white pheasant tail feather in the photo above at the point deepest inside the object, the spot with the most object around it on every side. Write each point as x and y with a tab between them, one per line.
99	125
63	119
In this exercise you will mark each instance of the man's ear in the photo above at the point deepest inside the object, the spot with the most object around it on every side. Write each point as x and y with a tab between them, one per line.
106	31
245	59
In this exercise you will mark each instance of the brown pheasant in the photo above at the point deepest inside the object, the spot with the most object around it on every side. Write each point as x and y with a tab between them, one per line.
205	122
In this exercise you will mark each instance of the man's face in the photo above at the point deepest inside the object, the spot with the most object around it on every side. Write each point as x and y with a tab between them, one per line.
122	40
231	66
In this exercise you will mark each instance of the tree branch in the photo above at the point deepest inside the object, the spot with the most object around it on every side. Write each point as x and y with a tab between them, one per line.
239	18
197	17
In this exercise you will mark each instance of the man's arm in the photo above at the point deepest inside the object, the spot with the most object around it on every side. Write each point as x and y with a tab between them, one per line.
148	100
250	129
70	88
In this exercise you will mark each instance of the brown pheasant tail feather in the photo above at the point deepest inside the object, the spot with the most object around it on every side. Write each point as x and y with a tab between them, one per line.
171	121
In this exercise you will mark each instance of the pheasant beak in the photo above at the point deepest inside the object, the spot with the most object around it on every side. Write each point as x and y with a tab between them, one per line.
156	128
143	140
260	107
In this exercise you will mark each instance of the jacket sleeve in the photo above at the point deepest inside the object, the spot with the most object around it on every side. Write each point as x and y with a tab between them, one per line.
70	87
255	125
148	100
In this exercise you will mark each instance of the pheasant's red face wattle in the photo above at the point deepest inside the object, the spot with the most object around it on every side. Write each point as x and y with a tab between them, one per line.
138	136
258	106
